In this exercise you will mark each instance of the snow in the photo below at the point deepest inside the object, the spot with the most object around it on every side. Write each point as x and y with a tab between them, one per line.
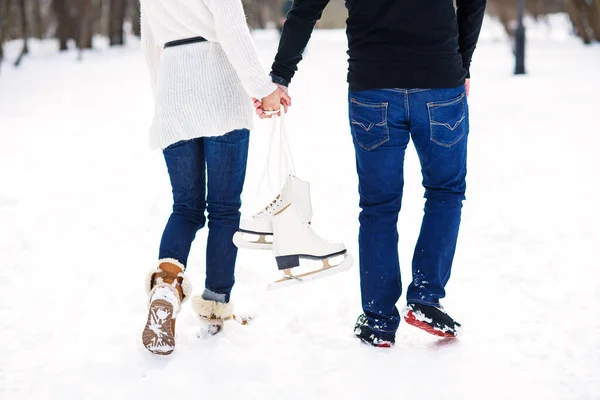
83	202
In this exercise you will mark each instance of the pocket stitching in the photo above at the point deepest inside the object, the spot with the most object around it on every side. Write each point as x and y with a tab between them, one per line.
434	104
367	129
431	106
374	105
447	124
383	123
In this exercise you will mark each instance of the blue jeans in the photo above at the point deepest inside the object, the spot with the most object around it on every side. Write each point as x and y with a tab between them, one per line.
382	123
207	174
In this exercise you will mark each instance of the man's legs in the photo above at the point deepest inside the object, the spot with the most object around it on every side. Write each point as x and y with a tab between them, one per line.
439	128
380	132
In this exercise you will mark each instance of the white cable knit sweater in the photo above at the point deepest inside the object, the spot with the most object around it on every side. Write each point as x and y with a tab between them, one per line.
200	89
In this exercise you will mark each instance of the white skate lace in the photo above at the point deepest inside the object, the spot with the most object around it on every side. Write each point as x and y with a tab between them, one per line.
270	209
285	165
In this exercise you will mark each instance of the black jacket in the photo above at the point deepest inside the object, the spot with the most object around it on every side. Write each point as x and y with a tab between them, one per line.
392	43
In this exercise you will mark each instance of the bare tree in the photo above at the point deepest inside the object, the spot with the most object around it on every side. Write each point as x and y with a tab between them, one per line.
116	35
135	18
37	18
261	12
67	25
593	13
85	32
506	11
24	32
4	9
584	14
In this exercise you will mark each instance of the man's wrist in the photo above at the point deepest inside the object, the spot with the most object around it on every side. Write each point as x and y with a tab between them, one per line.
467	68
279	80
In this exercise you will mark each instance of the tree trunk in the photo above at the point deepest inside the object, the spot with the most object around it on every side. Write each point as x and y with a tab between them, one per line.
135	18
37	16
254	13
574	8
4	10
85	31
116	21
594	18
66	28
24	31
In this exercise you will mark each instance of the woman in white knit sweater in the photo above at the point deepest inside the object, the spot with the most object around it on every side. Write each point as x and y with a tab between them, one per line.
204	71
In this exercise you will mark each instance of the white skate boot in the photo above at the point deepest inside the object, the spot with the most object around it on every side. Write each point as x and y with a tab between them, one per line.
294	191
293	239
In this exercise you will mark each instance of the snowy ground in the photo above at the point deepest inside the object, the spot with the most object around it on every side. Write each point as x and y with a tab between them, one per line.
83	202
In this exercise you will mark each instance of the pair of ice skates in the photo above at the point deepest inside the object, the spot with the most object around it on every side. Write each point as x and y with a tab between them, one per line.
287	220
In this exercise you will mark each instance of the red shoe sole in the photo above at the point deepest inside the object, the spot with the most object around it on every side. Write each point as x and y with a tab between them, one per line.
383	345
412	320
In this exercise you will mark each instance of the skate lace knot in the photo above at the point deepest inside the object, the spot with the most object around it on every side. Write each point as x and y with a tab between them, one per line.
271	208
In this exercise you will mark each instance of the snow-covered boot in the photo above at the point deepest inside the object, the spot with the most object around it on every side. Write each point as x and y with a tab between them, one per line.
167	288
212	313
293	239
260	224
364	332
431	319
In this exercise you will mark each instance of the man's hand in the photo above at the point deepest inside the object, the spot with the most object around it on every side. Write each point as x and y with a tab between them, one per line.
284	88
467	86
273	102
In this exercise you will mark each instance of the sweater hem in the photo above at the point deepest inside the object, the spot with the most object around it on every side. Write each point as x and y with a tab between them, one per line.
167	139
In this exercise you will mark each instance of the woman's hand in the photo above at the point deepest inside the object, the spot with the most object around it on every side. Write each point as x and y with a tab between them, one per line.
272	102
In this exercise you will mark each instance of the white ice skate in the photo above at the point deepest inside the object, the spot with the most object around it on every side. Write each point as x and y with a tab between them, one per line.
293	239
260	224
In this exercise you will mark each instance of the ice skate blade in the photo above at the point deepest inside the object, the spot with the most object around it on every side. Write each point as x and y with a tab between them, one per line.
327	270
261	244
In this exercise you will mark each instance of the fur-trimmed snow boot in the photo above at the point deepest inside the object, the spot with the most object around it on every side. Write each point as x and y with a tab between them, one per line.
212	312
168	288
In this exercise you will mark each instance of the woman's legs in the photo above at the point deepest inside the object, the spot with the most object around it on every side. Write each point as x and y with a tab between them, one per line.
186	165
167	286
226	158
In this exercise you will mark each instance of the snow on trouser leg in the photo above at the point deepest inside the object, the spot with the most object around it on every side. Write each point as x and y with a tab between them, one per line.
431	319
294	239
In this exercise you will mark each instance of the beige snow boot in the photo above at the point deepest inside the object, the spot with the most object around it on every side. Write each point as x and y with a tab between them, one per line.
168	288
212	312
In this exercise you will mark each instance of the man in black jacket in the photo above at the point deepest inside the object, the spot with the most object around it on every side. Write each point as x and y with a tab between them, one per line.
408	78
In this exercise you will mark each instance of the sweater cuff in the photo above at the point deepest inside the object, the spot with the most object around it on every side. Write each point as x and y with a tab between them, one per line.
264	89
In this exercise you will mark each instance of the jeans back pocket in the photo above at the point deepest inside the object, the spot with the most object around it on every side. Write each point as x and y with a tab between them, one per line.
447	121
369	123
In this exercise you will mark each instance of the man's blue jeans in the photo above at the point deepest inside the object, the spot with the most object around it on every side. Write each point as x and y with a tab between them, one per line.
382	123
219	165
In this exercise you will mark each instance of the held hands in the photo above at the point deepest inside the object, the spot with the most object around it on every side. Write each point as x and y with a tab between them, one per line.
265	108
